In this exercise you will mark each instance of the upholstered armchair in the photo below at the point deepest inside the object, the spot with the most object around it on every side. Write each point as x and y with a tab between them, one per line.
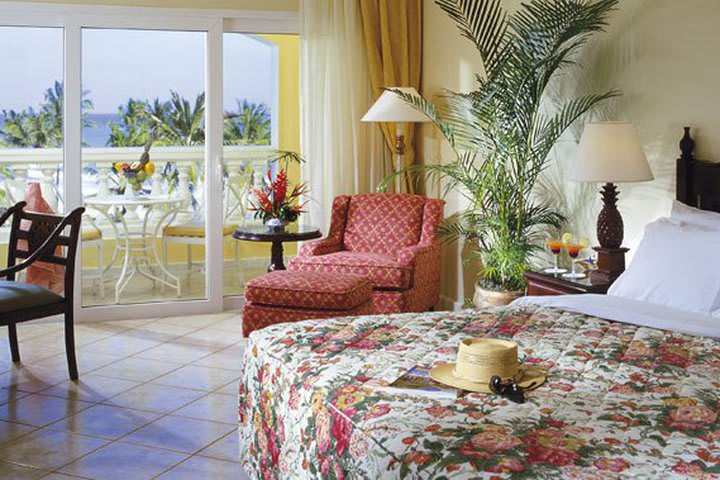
389	238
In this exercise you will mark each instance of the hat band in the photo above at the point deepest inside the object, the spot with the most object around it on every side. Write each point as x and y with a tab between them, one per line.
485	379
488	361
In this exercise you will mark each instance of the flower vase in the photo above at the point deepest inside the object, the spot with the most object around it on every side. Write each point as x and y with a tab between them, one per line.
276	224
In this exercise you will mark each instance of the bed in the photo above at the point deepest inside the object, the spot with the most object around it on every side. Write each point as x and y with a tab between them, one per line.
626	395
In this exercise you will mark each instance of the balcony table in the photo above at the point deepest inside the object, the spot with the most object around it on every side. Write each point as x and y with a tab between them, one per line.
263	233
137	246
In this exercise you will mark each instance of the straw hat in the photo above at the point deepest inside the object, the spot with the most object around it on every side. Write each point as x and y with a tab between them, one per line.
479	359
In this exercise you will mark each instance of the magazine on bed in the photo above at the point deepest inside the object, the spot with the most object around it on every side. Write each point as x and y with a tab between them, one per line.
417	382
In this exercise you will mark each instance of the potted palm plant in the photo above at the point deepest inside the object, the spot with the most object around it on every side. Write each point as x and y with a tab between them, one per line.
503	131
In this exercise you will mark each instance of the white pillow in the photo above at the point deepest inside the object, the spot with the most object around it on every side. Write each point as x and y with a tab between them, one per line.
675	265
695	216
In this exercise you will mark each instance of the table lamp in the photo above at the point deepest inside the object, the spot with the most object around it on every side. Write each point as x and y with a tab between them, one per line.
610	152
390	107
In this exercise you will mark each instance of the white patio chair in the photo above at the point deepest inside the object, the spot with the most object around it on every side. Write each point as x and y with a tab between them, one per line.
192	232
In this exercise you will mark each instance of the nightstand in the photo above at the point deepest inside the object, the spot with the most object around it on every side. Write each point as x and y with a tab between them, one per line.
539	283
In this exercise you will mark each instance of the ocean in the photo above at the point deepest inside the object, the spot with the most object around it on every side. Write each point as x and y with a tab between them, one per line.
98	134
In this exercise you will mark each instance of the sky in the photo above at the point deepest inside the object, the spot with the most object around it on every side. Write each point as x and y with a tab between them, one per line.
120	64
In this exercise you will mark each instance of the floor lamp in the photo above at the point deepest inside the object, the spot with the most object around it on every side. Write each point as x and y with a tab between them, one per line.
610	152
391	108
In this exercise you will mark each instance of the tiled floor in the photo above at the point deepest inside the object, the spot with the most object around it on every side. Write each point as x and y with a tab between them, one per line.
156	399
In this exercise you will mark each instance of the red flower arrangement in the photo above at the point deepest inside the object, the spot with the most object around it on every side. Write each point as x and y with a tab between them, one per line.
274	200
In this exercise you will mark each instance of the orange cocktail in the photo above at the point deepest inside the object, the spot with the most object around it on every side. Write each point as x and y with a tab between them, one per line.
555	246
573	250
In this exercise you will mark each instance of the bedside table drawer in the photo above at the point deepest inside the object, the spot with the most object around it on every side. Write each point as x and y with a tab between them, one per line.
538	288
539	284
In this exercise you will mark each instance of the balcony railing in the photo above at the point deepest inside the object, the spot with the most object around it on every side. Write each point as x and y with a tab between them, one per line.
243	168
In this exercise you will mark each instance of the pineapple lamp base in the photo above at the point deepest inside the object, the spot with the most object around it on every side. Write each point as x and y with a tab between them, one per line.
611	256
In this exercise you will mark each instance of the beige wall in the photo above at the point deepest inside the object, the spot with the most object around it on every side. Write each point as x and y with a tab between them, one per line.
662	54
273	5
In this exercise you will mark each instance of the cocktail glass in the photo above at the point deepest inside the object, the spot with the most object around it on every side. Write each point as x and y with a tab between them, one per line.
573	250
555	246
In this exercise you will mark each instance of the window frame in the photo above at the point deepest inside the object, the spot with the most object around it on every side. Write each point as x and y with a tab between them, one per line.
73	18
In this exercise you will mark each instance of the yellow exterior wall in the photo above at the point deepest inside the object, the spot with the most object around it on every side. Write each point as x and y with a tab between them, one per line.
267	5
659	53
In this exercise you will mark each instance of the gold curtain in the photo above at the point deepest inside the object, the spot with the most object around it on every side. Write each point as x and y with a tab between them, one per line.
393	42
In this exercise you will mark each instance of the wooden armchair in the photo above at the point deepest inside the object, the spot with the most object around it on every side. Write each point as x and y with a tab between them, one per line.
39	237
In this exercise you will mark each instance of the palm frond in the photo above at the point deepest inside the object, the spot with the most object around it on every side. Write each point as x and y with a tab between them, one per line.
482	22
501	132
429	110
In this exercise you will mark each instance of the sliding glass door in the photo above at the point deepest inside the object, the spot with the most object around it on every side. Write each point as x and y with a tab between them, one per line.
261	113
31	119
143	166
160	123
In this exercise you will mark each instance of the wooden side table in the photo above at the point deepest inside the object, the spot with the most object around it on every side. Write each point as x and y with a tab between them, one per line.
539	283
262	233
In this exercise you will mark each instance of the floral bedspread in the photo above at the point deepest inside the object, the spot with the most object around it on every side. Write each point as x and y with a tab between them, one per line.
621	401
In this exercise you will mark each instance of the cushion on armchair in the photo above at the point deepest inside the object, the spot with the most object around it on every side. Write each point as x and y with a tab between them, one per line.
383	223
311	290
382	271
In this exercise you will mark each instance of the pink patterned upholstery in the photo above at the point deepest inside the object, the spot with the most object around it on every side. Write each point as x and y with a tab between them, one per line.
389	238
308	290
383	223
256	316
381	270
285	296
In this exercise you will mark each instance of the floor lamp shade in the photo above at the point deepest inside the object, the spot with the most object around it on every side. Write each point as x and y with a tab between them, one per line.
392	108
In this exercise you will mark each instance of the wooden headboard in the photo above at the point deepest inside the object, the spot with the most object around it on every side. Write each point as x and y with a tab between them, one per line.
698	181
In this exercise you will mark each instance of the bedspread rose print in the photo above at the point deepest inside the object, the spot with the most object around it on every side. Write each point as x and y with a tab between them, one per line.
621	401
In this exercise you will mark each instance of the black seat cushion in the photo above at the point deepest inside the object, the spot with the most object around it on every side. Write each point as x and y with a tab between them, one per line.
20	296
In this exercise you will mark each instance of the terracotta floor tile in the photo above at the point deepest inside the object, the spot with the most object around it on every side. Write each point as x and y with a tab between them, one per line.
106	421
60	476
173	352
202	467
87	361
215	406
227	448
121	461
167	389
198	377
137	369
231	324
155	398
229	358
32	378
20	472
9	431
231	388
121	345
8	394
211	337
48	449
91	388
39	410
186	435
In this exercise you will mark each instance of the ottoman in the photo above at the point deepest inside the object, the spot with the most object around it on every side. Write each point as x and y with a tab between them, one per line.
290	296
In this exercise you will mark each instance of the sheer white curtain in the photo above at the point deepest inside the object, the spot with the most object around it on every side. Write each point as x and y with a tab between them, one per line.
344	156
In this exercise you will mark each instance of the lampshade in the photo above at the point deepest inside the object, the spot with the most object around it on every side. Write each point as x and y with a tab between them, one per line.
610	152
390	107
